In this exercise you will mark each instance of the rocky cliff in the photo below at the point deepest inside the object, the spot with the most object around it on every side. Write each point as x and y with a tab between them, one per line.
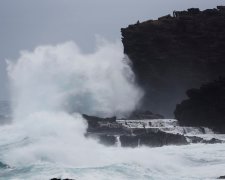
204	107
175	53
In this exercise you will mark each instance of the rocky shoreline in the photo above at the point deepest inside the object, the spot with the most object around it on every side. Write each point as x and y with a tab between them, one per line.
175	53
178	53
205	106
145	132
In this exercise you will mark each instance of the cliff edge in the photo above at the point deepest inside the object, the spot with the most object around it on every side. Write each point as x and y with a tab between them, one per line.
175	53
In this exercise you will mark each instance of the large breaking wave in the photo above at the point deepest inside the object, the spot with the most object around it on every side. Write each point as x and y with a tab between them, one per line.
51	87
61	77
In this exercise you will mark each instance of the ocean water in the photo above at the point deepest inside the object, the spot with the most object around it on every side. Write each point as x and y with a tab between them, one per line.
43	147
173	162
51	87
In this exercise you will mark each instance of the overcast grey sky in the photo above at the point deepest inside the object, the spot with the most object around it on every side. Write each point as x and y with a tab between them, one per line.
25	24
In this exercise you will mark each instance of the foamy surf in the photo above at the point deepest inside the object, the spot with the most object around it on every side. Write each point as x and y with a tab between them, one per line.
51	87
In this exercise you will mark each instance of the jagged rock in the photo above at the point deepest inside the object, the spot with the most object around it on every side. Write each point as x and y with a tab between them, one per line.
138	115
212	141
143	132
204	107
221	177
196	139
98	119
102	124
173	54
152	139
108	131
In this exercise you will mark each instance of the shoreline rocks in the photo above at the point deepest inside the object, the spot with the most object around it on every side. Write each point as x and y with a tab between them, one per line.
143	132
204	107
221	177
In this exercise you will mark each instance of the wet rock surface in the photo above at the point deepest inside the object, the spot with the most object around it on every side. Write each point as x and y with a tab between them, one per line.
131	133
138	114
145	132
196	139
152	139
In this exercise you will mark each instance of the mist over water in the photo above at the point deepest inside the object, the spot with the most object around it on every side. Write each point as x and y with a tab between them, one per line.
51	87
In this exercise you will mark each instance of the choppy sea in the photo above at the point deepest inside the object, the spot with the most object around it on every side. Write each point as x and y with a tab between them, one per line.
33	156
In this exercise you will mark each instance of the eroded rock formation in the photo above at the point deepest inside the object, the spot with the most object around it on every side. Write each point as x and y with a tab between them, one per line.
143	132
204	107
176	53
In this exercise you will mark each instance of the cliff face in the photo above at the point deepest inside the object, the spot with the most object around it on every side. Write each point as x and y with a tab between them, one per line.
204	107
176	53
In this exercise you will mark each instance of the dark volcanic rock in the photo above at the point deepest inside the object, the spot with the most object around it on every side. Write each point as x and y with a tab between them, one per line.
173	54
196	139
152	139
212	141
140	132
102	125
205	107
221	177
110	132
93	121
138	115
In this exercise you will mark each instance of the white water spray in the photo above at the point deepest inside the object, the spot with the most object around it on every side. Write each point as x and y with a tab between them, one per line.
51	82
60	77
46	141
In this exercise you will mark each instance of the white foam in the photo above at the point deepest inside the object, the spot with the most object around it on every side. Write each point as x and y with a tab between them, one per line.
49	83
61	77
50	142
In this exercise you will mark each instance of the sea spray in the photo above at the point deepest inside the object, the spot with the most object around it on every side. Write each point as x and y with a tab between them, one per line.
51	86
61	77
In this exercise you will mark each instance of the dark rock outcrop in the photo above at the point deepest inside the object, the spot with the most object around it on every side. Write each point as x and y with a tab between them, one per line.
145	132
204	107
196	139
221	177
176	53
93	121
138	115
101	125
110	132
152	139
